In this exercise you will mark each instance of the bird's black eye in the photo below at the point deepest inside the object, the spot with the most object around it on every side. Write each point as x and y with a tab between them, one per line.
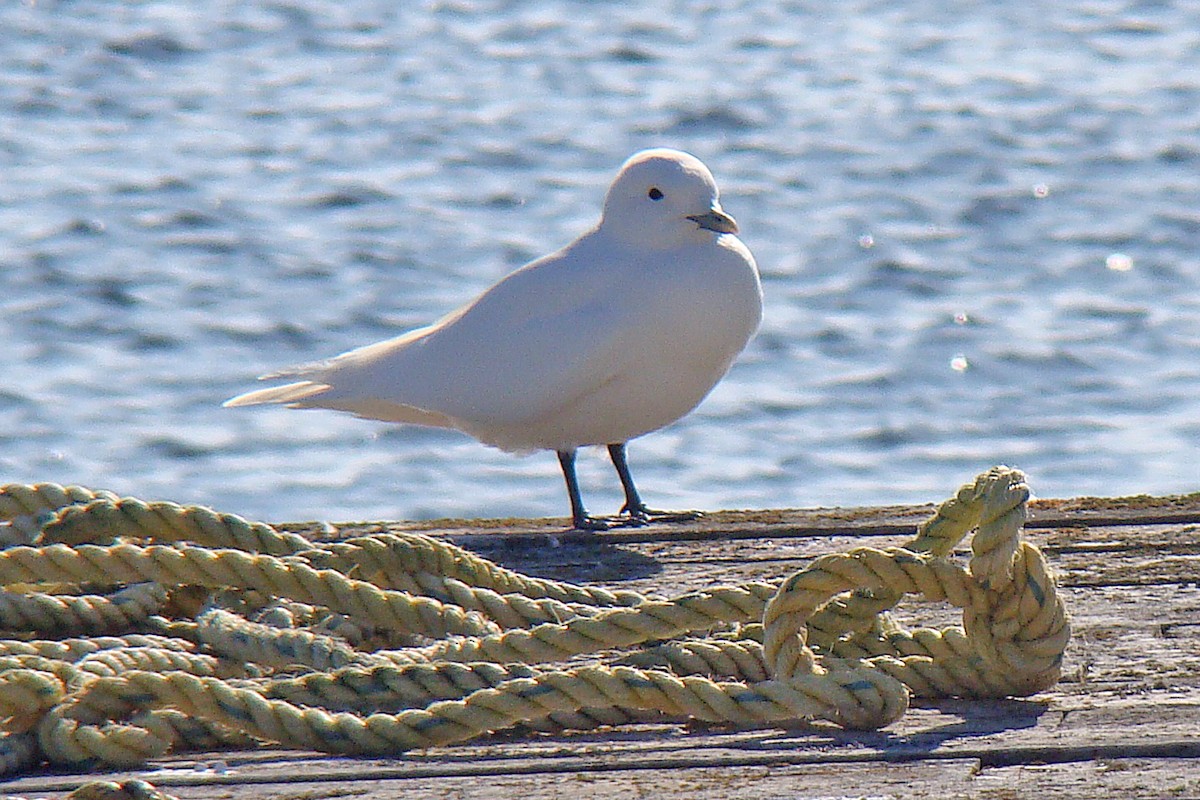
655	193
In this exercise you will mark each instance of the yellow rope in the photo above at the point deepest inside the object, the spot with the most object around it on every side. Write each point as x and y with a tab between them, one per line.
125	790
26	693
223	604
109	518
397	559
64	614
240	640
190	565
75	649
26	507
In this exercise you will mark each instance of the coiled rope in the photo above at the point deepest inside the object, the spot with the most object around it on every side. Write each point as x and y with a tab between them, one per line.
136	629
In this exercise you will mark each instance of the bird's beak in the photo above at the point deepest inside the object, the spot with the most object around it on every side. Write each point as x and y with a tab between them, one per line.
715	220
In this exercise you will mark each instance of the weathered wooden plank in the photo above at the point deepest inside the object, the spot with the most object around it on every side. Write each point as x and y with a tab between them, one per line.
1124	722
768	545
1129	779
1106	776
982	736
849	781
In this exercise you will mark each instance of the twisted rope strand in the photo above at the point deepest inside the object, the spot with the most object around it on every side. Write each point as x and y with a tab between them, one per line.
107	518
190	565
615	627
22	500
394	558
67	614
24	509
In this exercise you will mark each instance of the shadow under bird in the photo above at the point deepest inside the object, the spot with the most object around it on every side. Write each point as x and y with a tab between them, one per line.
621	332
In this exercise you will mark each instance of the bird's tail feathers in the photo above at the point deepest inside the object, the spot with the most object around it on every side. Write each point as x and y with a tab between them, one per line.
291	393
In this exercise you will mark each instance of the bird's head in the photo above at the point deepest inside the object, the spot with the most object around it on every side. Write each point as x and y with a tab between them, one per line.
664	198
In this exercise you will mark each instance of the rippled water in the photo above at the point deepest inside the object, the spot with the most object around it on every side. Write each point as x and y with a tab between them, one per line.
979	228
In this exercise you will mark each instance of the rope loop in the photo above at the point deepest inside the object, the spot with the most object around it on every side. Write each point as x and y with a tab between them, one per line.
1015	627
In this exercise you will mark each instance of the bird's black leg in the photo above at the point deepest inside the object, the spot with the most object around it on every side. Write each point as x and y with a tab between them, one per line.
580	519
634	507
638	513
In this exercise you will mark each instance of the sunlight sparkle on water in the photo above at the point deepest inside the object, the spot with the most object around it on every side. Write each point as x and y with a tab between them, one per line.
1119	262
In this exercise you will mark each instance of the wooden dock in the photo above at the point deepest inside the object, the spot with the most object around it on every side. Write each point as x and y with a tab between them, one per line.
1124	722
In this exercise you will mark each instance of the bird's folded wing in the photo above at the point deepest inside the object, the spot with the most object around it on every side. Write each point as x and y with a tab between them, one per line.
541	337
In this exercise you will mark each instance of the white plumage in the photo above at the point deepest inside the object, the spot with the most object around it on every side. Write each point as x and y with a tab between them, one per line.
617	334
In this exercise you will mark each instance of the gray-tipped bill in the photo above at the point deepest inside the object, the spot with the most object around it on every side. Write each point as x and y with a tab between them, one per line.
715	220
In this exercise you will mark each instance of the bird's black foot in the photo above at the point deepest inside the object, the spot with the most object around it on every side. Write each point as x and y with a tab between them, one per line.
639	516
589	523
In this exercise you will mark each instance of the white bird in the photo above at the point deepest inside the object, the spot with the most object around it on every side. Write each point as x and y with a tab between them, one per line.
621	332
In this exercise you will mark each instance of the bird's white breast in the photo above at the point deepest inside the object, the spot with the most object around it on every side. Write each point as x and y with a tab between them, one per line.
682	319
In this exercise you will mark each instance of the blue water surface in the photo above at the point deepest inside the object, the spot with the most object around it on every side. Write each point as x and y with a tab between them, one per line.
978	225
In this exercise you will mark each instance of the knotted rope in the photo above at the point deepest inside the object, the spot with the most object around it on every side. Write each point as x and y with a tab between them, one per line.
221	632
